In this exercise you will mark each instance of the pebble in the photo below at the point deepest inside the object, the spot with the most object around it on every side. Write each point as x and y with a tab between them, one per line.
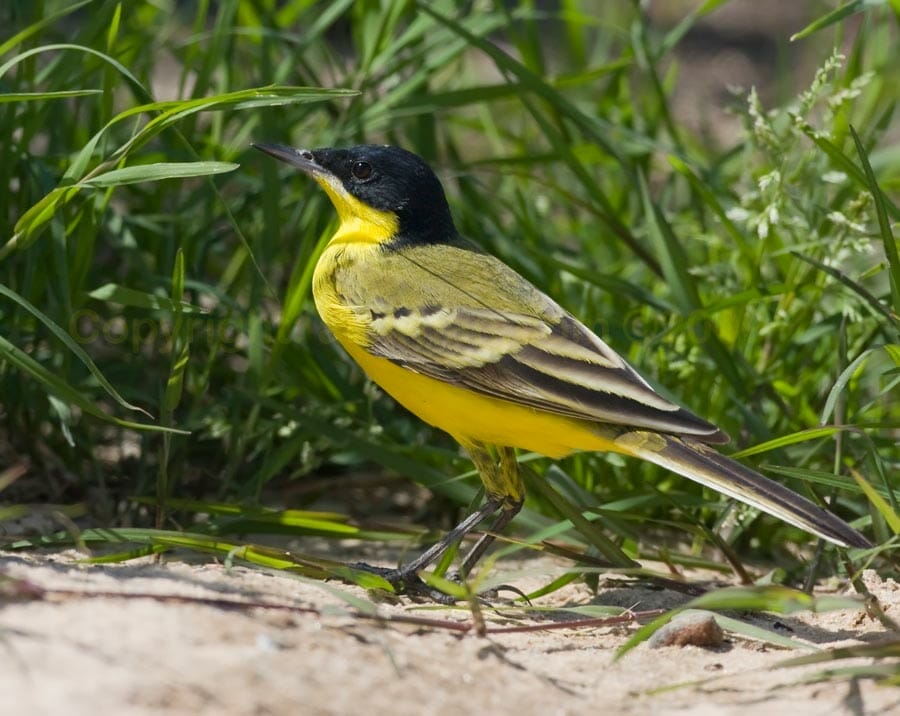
689	629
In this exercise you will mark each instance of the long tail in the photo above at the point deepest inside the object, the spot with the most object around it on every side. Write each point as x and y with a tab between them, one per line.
703	464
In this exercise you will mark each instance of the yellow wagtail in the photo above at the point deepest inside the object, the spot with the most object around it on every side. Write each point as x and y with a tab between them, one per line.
471	347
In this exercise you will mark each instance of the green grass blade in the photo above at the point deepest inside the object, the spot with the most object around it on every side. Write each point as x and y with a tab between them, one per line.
854	286
671	254
884	224
124	296
835	16
61	389
794	438
67	340
119	67
40	96
592	532
181	344
40	25
157	172
884	509
841	383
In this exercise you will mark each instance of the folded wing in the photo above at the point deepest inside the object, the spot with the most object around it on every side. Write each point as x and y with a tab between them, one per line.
550	362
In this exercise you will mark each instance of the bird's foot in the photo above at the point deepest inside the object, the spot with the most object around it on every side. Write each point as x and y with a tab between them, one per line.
407	582
487	595
411	584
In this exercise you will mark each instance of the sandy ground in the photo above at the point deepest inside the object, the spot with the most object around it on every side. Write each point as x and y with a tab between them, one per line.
94	650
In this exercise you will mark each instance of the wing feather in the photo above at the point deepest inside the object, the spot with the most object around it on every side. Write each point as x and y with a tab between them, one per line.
480	325
558	366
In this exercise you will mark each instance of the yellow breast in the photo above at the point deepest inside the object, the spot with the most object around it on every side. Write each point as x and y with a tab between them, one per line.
347	323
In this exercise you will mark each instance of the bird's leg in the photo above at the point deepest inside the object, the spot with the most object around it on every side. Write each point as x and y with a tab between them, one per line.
505	480
505	491
509	510
406	578
457	533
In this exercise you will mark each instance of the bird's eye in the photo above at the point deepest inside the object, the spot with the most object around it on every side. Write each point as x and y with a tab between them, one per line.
361	171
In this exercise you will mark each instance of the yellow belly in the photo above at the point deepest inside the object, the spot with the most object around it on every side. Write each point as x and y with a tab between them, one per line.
467	415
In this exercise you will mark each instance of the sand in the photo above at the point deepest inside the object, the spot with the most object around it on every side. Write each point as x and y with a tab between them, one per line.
158	638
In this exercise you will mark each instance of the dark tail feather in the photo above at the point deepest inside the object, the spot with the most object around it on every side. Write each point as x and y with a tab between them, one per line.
704	465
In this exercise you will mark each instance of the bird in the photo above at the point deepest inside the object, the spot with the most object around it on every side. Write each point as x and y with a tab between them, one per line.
471	347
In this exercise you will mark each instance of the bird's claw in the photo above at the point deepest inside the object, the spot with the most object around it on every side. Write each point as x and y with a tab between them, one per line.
411	584
407	582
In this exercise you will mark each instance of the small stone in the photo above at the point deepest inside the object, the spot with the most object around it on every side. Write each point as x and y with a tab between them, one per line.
690	629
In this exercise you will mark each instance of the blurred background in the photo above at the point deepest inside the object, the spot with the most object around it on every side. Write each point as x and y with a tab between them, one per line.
683	176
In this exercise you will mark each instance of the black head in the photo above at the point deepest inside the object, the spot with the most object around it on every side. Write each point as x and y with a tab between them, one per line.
385	178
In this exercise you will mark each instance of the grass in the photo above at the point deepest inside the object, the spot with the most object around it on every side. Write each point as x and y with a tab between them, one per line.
161	365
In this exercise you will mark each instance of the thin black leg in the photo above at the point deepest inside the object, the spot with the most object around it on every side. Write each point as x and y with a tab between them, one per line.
406	578
499	472
504	518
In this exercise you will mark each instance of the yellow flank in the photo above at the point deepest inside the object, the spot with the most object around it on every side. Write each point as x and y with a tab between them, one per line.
470	416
